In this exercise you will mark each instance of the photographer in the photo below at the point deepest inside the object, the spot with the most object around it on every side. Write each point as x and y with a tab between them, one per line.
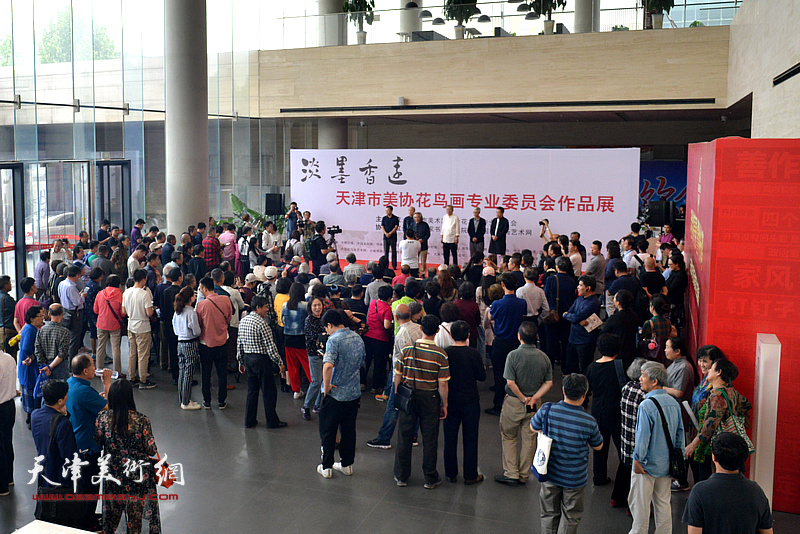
292	217
319	247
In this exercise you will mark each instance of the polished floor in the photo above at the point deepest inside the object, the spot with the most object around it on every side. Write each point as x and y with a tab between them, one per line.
260	480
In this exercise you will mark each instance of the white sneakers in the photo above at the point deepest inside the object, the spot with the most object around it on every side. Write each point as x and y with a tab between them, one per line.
191	406
326	473
299	394
344	470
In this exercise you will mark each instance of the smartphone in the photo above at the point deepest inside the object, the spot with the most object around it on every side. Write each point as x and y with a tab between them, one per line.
529	409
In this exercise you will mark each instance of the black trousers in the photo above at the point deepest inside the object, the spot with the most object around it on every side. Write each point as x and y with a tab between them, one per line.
448	249
73	320
608	432
466	417
500	350
425	406
260	378
379	352
579	357
215	356
172	346
338	416
390	243
557	336
8	414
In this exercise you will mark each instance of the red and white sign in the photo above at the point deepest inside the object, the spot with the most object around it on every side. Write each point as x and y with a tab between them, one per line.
592	191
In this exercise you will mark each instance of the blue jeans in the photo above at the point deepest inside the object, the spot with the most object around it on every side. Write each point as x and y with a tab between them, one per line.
313	396
390	417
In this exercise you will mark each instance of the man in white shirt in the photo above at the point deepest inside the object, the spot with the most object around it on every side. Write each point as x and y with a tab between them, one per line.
272	241
451	228
135	259
533	294
137	305
8	411
409	252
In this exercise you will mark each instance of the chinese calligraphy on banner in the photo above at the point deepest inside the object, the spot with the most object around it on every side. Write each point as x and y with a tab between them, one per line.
592	191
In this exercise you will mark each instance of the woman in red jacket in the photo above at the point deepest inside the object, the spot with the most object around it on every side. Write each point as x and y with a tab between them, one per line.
108	307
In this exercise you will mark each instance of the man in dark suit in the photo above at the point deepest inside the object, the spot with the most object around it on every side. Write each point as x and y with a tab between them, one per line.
476	230
498	231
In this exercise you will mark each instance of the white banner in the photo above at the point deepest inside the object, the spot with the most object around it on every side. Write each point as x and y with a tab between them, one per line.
591	191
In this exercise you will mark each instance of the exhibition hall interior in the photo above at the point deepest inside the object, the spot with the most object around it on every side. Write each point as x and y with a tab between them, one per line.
452	154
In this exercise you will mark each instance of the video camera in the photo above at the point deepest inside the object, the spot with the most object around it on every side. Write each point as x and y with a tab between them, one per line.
333	230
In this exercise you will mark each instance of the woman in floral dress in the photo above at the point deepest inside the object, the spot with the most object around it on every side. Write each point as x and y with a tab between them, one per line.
126	435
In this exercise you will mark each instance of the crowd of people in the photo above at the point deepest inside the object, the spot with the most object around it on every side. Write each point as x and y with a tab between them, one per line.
284	312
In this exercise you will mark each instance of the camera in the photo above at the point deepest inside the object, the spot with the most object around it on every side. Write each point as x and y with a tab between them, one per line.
333	230
301	223
543	222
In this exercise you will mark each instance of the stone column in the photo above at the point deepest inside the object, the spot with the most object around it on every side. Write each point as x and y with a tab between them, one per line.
409	18
332	133
332	23
186	103
583	16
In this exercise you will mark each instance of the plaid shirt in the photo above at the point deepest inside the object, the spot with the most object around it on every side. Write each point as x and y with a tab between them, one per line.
657	326
632	395
255	337
213	252
51	342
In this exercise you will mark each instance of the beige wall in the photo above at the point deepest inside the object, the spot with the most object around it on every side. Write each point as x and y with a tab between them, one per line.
685	63
764	42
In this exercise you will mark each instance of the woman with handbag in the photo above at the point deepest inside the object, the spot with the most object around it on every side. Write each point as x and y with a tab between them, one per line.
108	308
378	340
656	331
127	437
727	410
315	346
294	321
700	461
186	326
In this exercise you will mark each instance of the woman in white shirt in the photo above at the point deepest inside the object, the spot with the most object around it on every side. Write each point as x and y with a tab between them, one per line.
186	326
243	263
449	313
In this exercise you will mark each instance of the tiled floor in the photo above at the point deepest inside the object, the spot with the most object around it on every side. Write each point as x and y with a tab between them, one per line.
261	480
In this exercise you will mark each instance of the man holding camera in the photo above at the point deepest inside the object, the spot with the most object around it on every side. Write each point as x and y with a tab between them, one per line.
291	219
319	247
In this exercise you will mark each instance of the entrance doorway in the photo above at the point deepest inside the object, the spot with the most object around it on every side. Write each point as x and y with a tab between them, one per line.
112	194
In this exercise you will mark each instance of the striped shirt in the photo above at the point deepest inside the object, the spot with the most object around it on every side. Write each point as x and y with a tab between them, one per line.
573	431
422	365
632	395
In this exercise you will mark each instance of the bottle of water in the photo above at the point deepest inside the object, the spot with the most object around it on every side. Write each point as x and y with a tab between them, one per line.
99	372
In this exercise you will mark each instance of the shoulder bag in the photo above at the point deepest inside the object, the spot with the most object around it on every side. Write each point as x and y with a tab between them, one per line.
123	324
543	444
734	424
677	463
552	316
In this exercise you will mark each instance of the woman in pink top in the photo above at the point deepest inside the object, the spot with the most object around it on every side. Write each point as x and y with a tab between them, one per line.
377	340
108	307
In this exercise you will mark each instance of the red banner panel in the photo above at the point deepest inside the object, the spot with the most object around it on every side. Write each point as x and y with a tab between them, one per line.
743	258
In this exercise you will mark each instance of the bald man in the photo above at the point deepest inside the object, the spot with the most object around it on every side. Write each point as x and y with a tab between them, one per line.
652	280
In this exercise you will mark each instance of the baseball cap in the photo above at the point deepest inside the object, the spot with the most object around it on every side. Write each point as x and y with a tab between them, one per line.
250	278
155	245
488	271
298	259
271	272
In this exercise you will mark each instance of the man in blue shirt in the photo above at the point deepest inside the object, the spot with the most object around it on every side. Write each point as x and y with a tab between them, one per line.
580	351
573	431
341	383
507	314
650	480
84	403
73	301
61	446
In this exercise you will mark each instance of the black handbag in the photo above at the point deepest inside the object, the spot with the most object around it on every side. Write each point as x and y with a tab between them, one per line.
50	503
677	463
402	396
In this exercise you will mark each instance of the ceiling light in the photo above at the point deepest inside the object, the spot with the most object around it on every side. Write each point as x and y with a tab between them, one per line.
523	8
532	15
425	14
412	5
484	18
438	21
